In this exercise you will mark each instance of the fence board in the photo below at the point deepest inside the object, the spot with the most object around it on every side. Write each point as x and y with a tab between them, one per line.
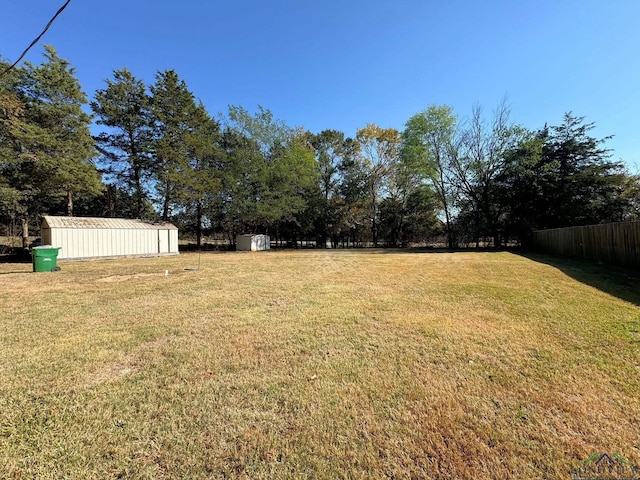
612	243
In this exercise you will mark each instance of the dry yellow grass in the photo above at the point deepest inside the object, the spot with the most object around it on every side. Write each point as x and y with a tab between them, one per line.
316	364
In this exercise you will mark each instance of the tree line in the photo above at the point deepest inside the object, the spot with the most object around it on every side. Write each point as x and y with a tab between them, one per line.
160	155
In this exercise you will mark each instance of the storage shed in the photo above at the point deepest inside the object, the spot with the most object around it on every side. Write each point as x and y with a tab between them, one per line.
85	237
253	242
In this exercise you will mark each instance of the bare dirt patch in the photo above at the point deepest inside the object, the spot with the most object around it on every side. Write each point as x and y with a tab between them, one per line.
128	365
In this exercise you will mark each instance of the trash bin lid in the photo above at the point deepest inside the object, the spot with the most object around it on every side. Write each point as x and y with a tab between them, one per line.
46	247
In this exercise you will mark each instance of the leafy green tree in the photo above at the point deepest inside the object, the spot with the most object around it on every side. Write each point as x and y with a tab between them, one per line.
241	170
12	123
175	114
46	149
410	217
561	176
631	197
332	150
292	179
266	131
329	146
582	184
124	108
409	211
380	149
280	171
114	202
429	145
58	141
202	179
259	140
354	197
520	187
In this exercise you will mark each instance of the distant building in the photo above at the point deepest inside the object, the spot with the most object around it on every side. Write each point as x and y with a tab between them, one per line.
85	237
253	242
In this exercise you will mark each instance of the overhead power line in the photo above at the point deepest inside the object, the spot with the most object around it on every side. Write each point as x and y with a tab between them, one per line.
37	38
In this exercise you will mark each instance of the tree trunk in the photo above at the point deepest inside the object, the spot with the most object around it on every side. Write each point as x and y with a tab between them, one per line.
448	227
138	193
70	203
476	229
111	200
137	177
199	225
25	232
165	208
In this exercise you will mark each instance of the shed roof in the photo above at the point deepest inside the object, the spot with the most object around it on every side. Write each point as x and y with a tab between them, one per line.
104	223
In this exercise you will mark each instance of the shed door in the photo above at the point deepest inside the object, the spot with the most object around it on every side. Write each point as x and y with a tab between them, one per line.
163	241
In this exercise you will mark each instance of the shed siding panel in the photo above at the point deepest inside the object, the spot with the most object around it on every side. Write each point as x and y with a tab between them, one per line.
140	241
75	239
88	237
101	244
53	238
136	241
83	241
80	237
119	245
72	251
131	242
152	242
112	247
119	242
93	241
174	241
144	240
163	241
65	242
128	242
68	242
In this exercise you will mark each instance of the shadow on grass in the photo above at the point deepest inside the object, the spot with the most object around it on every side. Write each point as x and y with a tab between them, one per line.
619	282
21	258
16	258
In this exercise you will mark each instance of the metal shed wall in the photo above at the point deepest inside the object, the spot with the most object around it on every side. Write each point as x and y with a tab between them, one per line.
83	237
253	242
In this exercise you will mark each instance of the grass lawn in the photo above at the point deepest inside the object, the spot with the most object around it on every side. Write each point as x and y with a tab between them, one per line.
317	364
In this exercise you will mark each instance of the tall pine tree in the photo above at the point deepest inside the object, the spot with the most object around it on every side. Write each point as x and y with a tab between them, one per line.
175	115
124	107
58	141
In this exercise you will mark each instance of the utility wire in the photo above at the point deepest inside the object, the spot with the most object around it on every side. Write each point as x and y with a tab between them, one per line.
37	38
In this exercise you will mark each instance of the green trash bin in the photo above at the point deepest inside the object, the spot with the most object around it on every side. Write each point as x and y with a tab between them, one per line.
45	258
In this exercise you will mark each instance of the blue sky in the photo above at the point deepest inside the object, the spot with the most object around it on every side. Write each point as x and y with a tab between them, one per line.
341	64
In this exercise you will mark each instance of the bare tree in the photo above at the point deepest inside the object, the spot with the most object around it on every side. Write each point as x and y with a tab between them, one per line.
478	162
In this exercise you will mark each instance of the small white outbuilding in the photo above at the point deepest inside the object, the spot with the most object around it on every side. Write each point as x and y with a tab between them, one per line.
253	242
87	237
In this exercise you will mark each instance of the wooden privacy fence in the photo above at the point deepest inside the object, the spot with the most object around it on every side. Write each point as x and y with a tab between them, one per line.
613	243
